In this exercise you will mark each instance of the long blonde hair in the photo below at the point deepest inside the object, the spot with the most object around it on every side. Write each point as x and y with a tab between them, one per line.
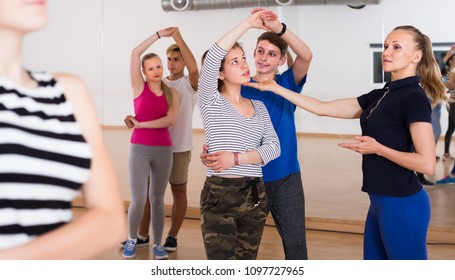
428	68
167	90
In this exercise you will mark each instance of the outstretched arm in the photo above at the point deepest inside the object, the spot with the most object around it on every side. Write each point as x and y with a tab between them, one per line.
188	58
346	108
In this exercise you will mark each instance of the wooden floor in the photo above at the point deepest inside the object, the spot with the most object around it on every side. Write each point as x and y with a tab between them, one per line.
335	206
322	245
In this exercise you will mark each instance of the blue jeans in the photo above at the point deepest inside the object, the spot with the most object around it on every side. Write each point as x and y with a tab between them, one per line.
287	205
396	227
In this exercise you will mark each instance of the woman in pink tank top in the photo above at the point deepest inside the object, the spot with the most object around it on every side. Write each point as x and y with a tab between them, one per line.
156	107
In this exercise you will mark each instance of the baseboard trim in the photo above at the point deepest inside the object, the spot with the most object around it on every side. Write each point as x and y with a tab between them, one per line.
435	234
201	131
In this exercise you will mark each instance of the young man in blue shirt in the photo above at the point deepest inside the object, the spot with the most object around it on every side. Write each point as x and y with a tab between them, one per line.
282	176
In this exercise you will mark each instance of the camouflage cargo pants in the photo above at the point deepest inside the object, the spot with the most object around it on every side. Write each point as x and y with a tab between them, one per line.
233	214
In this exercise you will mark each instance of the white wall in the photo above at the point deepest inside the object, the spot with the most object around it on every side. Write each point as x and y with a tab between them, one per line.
72	42
93	39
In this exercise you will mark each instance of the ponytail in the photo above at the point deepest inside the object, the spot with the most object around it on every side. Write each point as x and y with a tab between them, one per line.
428	68
168	94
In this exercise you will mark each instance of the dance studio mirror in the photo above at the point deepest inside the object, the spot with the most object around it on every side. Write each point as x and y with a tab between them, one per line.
345	42
96	42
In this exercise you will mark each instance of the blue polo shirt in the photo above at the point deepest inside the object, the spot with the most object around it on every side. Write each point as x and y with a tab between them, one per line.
388	122
281	113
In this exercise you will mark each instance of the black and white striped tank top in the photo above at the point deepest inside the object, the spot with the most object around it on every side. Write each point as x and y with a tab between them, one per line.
44	159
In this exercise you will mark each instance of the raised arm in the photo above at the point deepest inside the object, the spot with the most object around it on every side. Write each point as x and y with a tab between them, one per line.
448	54
450	83
289	59
188	58
207	87
346	108
255	20
137	80
298	46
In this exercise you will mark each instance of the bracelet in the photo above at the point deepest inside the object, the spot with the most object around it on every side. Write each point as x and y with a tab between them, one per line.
282	30
236	158
158	34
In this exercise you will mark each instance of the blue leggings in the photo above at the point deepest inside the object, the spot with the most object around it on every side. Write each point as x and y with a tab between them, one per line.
396	227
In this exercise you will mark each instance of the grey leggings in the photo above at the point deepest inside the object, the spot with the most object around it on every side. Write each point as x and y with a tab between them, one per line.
155	161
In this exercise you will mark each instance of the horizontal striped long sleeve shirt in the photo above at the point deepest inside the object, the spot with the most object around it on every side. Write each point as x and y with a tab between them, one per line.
228	130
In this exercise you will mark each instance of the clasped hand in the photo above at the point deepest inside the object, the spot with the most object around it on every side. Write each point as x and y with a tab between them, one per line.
218	161
265	19
130	121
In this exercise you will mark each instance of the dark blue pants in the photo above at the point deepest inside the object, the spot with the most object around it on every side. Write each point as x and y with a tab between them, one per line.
287	205
396	227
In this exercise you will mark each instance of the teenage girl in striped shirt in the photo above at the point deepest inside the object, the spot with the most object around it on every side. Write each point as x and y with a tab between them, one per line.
241	139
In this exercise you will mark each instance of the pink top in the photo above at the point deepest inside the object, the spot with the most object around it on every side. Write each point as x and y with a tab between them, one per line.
148	107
